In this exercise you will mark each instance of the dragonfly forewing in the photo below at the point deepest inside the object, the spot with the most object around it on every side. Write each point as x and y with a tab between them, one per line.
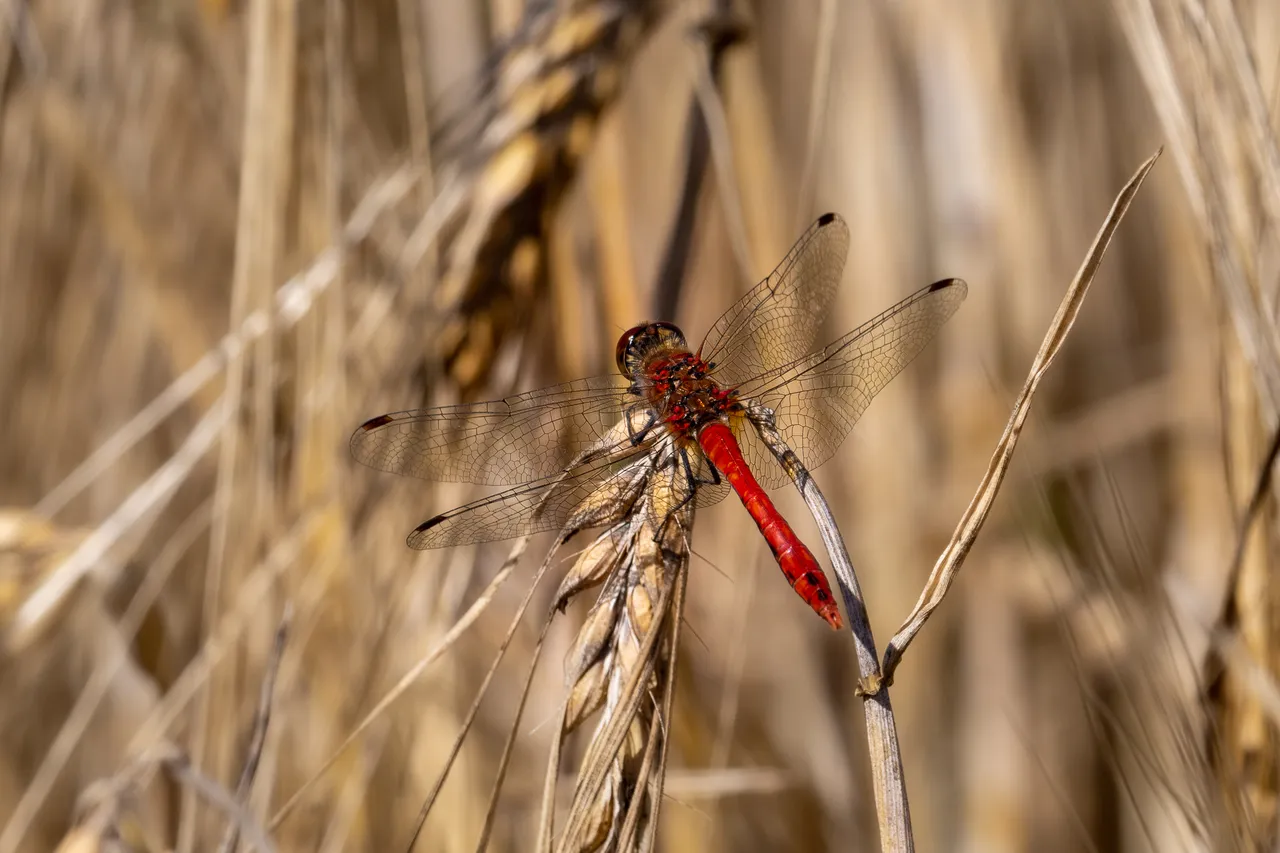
777	321
497	443
818	398
596	487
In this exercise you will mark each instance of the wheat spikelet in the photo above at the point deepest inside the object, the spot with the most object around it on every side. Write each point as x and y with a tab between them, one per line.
516	152
621	664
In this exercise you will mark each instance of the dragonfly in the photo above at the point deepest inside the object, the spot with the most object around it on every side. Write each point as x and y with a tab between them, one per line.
572	451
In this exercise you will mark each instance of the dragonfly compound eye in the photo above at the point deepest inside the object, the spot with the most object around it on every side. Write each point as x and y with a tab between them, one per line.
622	355
637	342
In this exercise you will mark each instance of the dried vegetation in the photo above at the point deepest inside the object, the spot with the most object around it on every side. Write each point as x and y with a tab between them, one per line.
230	231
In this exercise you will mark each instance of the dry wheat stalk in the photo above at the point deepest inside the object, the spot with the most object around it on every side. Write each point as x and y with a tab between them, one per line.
1202	62
886	760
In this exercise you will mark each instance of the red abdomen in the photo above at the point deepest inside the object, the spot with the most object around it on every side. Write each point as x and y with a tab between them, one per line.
796	561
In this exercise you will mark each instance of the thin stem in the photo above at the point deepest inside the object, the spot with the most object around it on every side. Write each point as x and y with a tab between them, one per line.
947	568
888	780
720	33
261	720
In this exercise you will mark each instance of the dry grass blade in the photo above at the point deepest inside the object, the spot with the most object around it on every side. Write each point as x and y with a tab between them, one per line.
1261	488
1260	682
470	718
888	780
223	636
446	642
949	562
178	767
144	500
819	90
95	689
491	811
100	828
722	159
293	301
1213	113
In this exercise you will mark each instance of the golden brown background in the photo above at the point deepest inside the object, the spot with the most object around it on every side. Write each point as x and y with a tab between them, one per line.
1098	678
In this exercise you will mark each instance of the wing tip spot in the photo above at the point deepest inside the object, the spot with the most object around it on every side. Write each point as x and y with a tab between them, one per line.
826	219
945	283
415	539
374	423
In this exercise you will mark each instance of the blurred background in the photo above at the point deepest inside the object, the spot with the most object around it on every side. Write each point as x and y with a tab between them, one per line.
232	230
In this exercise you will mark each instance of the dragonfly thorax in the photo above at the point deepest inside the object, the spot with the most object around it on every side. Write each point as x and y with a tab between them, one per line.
675	381
678	386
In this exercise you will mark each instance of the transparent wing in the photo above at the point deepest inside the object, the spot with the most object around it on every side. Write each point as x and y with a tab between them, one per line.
776	322
500	442
592	495
818	398
710	493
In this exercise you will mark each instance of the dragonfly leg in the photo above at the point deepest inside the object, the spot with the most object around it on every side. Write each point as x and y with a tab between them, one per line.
694	481
638	436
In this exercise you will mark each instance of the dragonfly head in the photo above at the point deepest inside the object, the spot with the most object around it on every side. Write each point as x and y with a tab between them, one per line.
637	343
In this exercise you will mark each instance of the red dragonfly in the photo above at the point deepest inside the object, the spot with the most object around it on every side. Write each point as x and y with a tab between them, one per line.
580	444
